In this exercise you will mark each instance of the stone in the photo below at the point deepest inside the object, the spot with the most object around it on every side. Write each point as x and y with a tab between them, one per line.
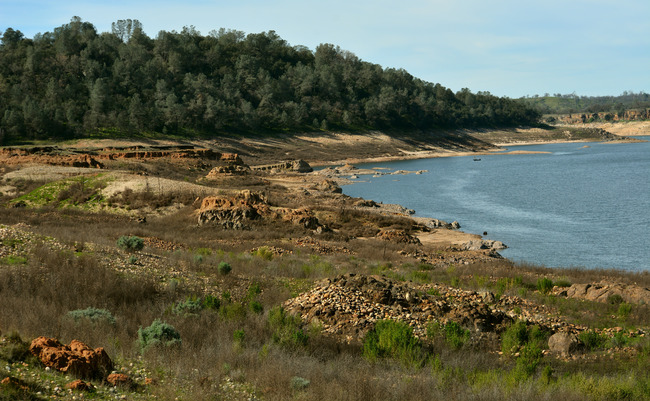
119	380
79	385
563	343
397	236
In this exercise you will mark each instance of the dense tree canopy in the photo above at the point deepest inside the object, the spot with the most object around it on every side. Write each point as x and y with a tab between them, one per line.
75	82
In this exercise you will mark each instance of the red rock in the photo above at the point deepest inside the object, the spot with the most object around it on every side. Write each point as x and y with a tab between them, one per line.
119	380
77	358
79	385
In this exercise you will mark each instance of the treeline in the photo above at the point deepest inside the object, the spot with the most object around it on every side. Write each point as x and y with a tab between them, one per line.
572	103
75	82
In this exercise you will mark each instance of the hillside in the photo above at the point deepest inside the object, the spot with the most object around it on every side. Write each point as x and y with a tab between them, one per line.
77	82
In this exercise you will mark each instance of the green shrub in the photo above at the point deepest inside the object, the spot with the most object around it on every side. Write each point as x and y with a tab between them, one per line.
453	334
519	335
93	315
286	328
264	253
592	340
191	306
529	358
544	285
158	334
238	336
14	260
256	307
393	339
224	268
299	383
624	310
130	244
133	260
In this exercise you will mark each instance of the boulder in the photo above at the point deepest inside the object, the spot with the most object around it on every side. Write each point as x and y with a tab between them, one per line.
76	358
563	343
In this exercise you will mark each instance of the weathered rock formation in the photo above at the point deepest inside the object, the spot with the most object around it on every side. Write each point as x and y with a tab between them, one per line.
397	236
76	358
228	170
327	186
476	245
610	292
236	212
298	166
53	155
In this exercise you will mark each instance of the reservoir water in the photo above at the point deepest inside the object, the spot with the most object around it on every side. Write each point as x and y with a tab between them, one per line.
580	205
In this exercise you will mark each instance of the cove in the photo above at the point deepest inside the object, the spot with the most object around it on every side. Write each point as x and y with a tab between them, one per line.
579	205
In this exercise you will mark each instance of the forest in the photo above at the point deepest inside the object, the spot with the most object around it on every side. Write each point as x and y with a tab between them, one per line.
75	82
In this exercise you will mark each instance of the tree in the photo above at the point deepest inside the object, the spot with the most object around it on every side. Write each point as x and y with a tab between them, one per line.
125	28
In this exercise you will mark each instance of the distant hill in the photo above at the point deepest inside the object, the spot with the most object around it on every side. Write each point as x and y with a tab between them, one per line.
590	105
76	82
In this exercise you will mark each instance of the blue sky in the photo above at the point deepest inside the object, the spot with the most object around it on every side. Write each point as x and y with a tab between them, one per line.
508	47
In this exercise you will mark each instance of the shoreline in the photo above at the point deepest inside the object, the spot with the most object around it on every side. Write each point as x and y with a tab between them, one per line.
501	149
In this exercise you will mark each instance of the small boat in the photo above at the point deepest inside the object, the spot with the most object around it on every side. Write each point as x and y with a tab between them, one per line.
477	160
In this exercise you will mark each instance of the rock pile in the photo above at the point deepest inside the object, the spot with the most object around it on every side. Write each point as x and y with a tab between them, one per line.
348	306
76	358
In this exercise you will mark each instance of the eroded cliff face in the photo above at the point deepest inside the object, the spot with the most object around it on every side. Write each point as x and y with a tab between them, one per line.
629	115
53	155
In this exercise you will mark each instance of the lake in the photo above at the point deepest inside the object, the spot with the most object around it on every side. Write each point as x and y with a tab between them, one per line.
580	205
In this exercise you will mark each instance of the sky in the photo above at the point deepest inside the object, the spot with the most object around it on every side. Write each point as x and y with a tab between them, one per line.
510	48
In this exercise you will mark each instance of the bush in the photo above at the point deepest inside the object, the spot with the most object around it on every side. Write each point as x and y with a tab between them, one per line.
158	334
454	335
529	358
224	268
93	315
592	340
286	328
130	244
193	305
519	335
393	339
544	285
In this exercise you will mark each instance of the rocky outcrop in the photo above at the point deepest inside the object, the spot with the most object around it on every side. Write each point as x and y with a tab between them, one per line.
236	212
76	358
476	245
79	385
56	156
609	292
298	166
397	236
228	170
327	186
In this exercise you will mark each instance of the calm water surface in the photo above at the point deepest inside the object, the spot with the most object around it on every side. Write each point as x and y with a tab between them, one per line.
576	206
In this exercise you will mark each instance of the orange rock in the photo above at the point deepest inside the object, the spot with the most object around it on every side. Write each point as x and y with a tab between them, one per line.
79	385
119	380
77	358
